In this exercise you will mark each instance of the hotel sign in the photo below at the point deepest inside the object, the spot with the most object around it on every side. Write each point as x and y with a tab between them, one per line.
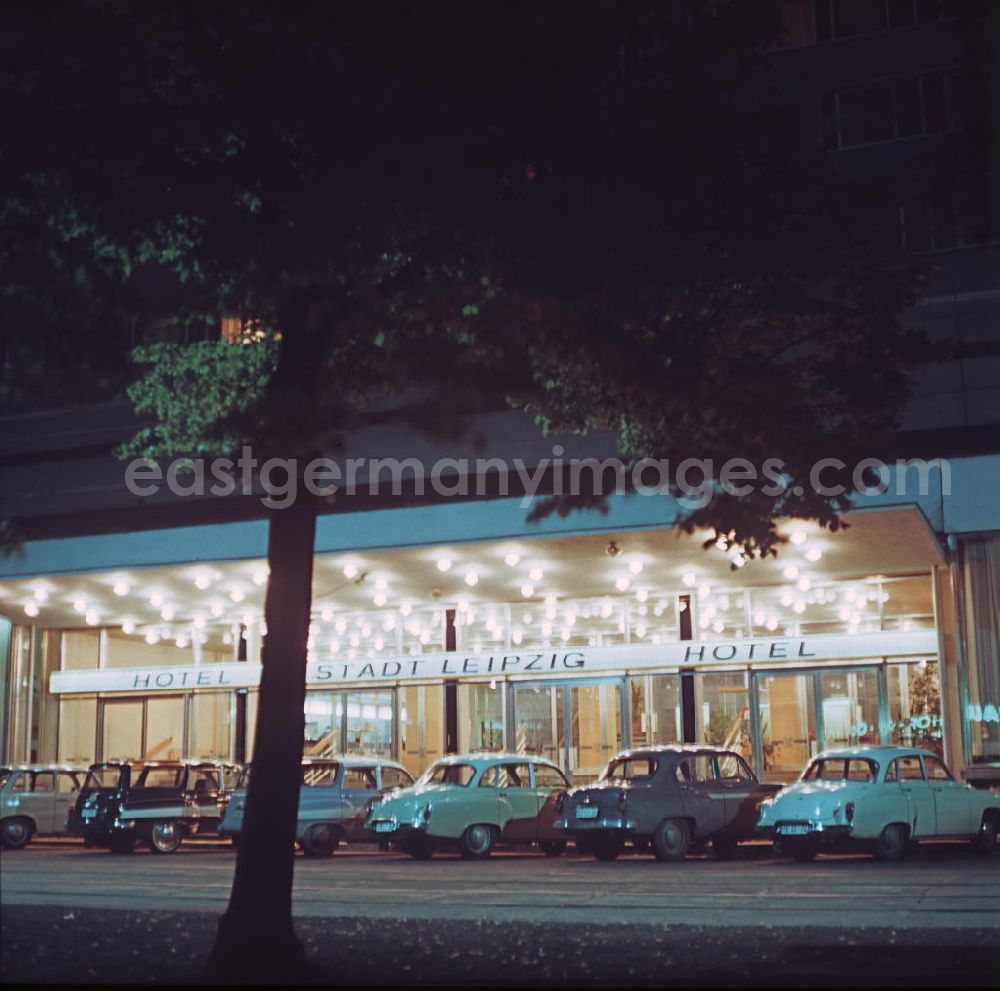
513	663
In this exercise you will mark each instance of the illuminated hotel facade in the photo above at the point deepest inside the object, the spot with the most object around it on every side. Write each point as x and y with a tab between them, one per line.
459	625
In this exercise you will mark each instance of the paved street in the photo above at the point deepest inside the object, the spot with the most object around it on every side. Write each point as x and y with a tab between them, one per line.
943	887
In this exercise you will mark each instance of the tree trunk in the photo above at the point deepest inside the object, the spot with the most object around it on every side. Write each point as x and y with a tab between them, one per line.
256	939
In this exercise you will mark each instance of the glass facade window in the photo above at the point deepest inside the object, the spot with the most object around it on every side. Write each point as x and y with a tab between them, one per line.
77	729
980	577
656	709
122	735
369	723
480	717
210	731
164	738
81	650
722	710
324	713
421	726
787	718
915	705
849	707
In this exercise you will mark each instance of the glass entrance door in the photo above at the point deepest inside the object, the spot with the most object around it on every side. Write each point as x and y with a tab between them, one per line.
787	720
800	713
576	725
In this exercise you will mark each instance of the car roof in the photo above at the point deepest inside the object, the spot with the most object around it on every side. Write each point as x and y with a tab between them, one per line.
680	749
483	758
884	751
77	768
183	762
349	760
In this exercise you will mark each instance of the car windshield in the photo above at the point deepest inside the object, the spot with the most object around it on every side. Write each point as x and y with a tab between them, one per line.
630	769
105	776
448	774
841	769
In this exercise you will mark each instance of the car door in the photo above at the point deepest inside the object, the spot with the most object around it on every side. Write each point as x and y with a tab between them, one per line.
702	799
40	801
518	802
956	815
360	786
549	782
67	788
922	816
743	794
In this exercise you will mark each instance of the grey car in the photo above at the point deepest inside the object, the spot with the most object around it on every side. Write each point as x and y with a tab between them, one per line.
668	797
35	800
332	800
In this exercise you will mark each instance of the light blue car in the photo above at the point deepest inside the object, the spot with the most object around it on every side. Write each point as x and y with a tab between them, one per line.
332	800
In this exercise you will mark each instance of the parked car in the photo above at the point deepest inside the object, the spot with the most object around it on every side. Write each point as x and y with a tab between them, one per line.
881	799
476	801
668	797
333	797
33	801
156	802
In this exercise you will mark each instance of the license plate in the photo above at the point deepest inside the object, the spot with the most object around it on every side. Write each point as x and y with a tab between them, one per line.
586	813
795	829
384	827
88	814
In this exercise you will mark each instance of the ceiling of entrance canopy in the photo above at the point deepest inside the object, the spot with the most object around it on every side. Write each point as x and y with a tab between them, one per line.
889	542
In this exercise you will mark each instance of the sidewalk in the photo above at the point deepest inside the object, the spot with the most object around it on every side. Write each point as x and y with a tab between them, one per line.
57	945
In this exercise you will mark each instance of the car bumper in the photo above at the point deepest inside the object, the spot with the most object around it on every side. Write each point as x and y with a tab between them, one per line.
389	827
616	823
816	832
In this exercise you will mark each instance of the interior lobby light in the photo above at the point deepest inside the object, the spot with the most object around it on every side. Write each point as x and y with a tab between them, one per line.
156	599
790	571
92	617
216	609
444	564
512	559
381	584
152	637
260	576
406	608
813	554
689	579
202	580
635	566
704	591
326	613
622	583
31	608
798	536
350	571
167	613
237	594
80	605
128	627
471	578
527	590
642	594
120	588
535	573
379	599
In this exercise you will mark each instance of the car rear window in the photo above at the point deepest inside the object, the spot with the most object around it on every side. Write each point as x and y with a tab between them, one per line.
841	769
157	777
630	769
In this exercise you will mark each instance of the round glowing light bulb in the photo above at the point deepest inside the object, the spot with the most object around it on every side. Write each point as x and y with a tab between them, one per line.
642	594
535	573
798	536
527	590
202	580
167	613
512	559
379	599
622	583
237	594
128	627
326	613
813	554
350	571
689	579
120	588
80	605
31	608
471	578
216	609
406	608
635	566
444	564
790	571
260	576
92	618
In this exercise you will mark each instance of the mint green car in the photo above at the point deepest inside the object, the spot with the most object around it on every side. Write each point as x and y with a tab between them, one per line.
474	800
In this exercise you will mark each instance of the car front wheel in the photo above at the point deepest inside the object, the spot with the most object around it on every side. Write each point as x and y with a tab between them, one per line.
320	840
892	843
165	836
986	839
552	848
672	839
476	843
16	832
